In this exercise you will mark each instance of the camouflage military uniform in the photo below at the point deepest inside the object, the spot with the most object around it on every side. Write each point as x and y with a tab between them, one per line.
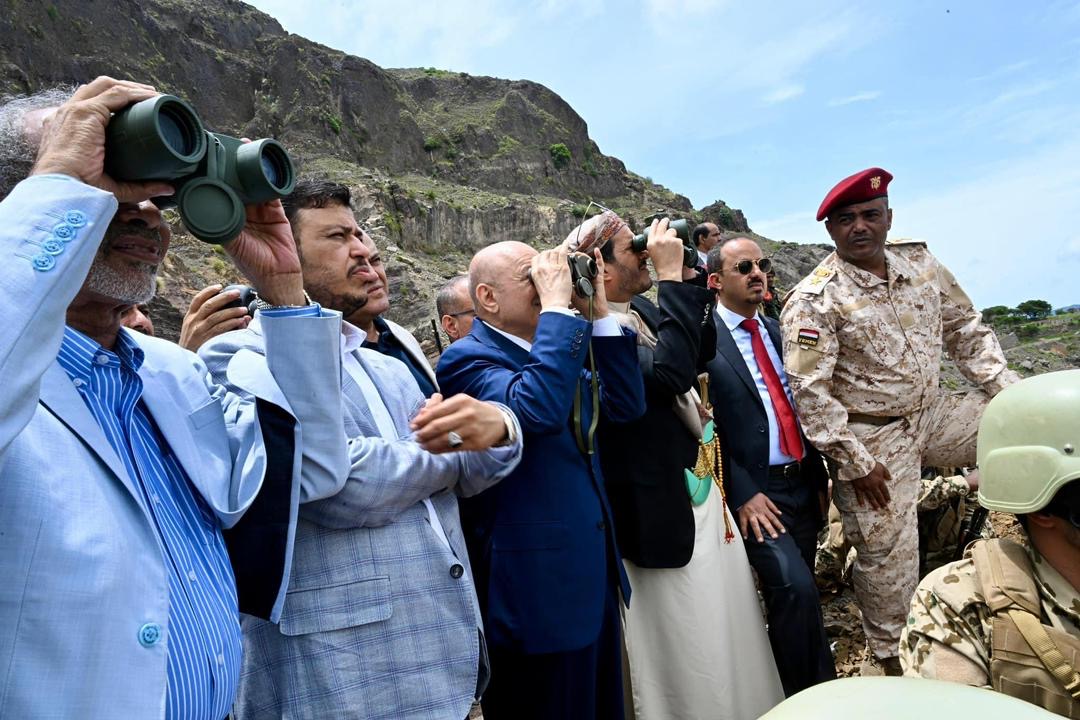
947	635
941	508
858	345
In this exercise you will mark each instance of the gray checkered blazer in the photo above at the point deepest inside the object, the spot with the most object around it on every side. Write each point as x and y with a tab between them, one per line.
381	619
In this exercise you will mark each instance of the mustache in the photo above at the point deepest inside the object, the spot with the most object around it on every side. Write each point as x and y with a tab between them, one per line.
120	230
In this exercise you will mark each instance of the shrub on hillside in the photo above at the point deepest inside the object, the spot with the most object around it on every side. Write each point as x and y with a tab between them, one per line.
1027	331
560	155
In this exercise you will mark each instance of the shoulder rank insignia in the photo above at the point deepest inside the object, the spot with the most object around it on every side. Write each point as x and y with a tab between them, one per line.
808	337
816	281
906	241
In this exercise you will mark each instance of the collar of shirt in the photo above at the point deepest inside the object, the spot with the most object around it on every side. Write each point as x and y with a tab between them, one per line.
1057	592
731	318
80	354
383	330
896	264
523	344
352	337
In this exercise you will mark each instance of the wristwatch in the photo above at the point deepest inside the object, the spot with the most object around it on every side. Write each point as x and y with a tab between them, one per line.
261	304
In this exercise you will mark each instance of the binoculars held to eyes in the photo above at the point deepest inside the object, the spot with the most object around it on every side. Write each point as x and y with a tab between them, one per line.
583	271
215	176
682	229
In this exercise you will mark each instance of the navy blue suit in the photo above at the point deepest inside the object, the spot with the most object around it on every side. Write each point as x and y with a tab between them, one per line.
785	566
542	542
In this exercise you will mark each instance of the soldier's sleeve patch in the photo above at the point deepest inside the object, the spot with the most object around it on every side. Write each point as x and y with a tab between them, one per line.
808	337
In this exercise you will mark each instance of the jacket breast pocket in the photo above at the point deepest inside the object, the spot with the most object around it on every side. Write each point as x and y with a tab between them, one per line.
207	416
337	607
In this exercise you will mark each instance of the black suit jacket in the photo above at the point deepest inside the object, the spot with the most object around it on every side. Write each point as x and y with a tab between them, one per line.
643	461
742	423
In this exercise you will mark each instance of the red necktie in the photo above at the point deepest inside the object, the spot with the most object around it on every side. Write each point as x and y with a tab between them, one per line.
790	442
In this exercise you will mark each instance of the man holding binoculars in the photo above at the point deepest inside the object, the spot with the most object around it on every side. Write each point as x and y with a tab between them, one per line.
120	461
542	545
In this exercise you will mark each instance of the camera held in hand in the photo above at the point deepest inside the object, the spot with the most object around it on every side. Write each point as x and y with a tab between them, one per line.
246	300
215	176
682	230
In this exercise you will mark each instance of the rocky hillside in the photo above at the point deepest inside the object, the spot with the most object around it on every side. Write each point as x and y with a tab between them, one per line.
441	163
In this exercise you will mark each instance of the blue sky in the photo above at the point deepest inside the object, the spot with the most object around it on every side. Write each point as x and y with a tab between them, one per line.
973	105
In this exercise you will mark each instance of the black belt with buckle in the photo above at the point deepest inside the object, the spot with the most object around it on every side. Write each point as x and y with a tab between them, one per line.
785	472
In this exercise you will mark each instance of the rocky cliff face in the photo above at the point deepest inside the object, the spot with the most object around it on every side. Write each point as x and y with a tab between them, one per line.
441	163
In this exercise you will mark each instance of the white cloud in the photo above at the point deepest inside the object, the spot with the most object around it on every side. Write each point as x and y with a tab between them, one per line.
857	98
783	94
1000	229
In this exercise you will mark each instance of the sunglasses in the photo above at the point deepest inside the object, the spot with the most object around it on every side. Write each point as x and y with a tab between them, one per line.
745	267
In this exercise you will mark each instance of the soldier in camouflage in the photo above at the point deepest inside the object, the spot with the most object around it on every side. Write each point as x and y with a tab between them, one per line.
1008	616
863	338
942	505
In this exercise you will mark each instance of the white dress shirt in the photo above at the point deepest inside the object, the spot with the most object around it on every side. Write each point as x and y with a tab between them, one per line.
352	339
742	341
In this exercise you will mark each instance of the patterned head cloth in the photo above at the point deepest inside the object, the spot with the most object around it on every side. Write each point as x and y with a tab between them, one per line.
594	233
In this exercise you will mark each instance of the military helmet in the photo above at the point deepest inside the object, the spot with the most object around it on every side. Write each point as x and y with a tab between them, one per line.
901	698
1029	442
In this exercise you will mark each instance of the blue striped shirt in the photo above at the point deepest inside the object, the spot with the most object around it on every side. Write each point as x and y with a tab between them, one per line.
203	631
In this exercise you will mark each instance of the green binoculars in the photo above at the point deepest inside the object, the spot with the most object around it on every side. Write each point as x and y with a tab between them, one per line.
214	175
682	229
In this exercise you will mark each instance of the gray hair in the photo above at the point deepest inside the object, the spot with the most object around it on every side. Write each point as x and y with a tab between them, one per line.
17	154
447	296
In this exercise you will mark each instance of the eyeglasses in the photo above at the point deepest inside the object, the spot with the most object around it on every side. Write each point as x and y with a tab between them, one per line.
745	267
470	311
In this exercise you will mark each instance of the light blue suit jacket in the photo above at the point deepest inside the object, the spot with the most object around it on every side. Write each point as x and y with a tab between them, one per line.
82	569
381	618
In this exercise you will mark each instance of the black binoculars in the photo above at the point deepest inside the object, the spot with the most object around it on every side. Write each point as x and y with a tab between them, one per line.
214	175
583	271
682	229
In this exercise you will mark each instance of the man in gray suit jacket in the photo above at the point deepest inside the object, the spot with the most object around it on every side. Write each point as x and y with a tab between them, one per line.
381	618
120	463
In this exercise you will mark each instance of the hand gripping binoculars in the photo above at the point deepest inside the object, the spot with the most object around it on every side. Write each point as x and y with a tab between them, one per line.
682	229
214	175
583	271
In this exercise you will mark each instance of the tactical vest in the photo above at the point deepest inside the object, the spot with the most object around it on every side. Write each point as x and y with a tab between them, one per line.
1028	660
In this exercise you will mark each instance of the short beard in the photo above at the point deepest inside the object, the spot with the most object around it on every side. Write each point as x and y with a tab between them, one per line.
346	304
134	287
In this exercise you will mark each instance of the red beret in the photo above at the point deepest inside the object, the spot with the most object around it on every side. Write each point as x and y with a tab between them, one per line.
860	187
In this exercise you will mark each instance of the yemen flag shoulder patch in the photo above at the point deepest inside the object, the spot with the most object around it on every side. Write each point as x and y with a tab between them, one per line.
808	337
